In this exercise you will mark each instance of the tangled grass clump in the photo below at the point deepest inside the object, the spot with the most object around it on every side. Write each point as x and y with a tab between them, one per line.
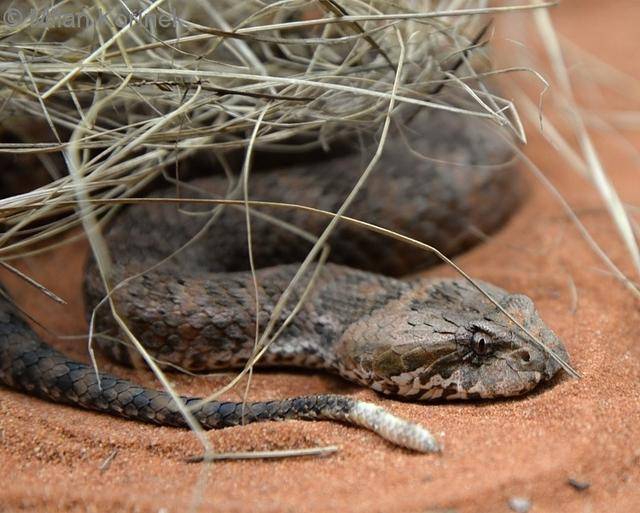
120	91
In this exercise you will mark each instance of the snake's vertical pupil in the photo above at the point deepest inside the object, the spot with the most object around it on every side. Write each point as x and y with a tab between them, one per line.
480	343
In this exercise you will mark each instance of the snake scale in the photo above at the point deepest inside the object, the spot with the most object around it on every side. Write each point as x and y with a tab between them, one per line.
419	339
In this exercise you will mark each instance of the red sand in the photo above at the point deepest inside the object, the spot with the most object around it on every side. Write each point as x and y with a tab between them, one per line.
585	429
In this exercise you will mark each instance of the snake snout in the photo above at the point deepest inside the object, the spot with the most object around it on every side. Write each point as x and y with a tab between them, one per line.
525	366
531	357
553	343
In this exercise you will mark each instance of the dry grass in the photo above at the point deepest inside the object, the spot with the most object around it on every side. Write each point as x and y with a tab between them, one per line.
148	97
112	102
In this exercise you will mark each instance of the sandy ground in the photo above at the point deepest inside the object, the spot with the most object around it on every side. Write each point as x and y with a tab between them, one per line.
56	458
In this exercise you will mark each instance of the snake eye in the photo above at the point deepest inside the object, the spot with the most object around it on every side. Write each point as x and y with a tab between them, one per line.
481	343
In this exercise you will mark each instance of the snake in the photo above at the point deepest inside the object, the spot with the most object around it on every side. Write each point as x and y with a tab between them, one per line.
362	314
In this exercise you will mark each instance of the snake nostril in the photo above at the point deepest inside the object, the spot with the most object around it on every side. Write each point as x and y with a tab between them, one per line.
526	356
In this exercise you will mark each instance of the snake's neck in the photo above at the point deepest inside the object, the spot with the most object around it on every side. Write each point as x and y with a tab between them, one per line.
341	298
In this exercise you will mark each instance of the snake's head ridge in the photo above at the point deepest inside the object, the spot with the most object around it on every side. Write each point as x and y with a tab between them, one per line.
451	342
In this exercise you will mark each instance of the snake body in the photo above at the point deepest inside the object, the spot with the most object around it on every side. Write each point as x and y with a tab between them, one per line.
418	339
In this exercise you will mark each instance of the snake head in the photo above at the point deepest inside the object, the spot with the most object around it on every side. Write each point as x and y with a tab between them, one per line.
446	340
496	357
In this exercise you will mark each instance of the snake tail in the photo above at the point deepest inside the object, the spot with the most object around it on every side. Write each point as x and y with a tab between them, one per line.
28	364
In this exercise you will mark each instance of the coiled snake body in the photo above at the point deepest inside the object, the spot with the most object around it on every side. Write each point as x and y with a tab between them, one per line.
419	339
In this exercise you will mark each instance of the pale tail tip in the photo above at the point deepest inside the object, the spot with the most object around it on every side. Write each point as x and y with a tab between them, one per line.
394	429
